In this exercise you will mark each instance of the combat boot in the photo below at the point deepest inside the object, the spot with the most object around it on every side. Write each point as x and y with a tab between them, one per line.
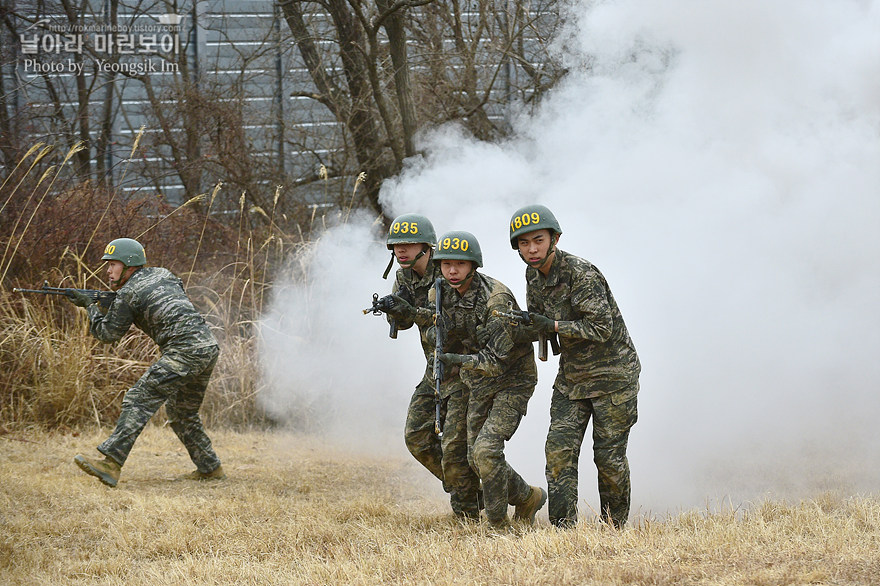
106	470
526	511
216	474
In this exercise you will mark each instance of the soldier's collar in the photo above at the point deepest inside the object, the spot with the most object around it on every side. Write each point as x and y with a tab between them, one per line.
552	278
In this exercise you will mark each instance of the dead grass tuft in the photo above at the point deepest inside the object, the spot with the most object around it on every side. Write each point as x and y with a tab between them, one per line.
296	511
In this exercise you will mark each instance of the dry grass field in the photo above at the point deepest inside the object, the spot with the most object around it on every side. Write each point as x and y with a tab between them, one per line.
296	511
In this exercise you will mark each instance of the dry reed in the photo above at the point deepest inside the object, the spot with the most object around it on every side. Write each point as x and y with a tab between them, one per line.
297	511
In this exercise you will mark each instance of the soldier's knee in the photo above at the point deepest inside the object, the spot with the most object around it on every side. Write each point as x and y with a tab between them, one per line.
561	459
484	454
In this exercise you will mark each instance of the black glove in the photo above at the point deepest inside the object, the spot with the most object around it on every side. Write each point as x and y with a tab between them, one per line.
398	307
543	324
527	333
79	299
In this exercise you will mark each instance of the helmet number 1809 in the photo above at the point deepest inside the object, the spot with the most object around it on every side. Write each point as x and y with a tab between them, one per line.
405	228
525	220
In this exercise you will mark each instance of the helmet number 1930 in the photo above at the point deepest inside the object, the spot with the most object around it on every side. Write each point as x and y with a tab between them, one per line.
455	244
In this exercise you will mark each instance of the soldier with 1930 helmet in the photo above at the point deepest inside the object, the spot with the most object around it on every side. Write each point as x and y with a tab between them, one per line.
411	238
599	369
500	373
153	299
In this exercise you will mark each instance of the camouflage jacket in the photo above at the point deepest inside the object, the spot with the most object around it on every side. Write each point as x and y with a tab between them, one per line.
598	356
501	363
153	299
409	285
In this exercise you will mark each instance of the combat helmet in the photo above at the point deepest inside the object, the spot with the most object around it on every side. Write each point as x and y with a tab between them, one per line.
409	229
127	251
459	245
530	218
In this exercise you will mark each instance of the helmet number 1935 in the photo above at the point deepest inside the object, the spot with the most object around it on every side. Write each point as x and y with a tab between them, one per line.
404	228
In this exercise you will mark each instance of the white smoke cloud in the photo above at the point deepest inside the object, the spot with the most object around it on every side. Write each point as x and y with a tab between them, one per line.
720	163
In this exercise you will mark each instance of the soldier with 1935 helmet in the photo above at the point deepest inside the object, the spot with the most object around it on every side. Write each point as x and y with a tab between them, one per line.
599	369
153	299
411	238
500	373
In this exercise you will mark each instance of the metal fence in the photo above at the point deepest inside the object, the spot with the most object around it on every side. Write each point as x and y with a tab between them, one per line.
238	52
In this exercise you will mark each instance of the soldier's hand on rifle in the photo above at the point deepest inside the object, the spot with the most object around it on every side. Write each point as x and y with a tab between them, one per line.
400	308
543	324
462	360
79	299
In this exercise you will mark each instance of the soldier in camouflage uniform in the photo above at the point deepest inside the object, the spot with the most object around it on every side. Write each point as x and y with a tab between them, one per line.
599	369
153	299
500	374
411	238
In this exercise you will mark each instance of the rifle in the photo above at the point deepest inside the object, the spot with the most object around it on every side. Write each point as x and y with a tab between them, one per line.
385	303
523	317
439	342
381	306
102	298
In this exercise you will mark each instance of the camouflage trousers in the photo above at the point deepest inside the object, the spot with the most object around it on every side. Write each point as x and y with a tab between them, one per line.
179	381
613	415
445	458
491	421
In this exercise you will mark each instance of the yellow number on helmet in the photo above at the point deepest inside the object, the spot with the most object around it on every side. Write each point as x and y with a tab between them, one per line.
414	228
536	217
446	243
465	245
110	249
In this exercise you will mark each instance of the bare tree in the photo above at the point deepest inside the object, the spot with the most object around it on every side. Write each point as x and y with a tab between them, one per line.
321	97
385	95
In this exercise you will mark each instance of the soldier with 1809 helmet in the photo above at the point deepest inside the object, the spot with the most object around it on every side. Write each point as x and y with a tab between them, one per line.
500	373
153	299
411	238
599	369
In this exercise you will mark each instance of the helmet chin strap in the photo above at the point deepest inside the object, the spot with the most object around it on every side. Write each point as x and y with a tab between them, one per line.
540	263
123	279
469	276
407	264
388	268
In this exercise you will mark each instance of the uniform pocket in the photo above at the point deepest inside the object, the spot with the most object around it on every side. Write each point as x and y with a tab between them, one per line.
623	395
